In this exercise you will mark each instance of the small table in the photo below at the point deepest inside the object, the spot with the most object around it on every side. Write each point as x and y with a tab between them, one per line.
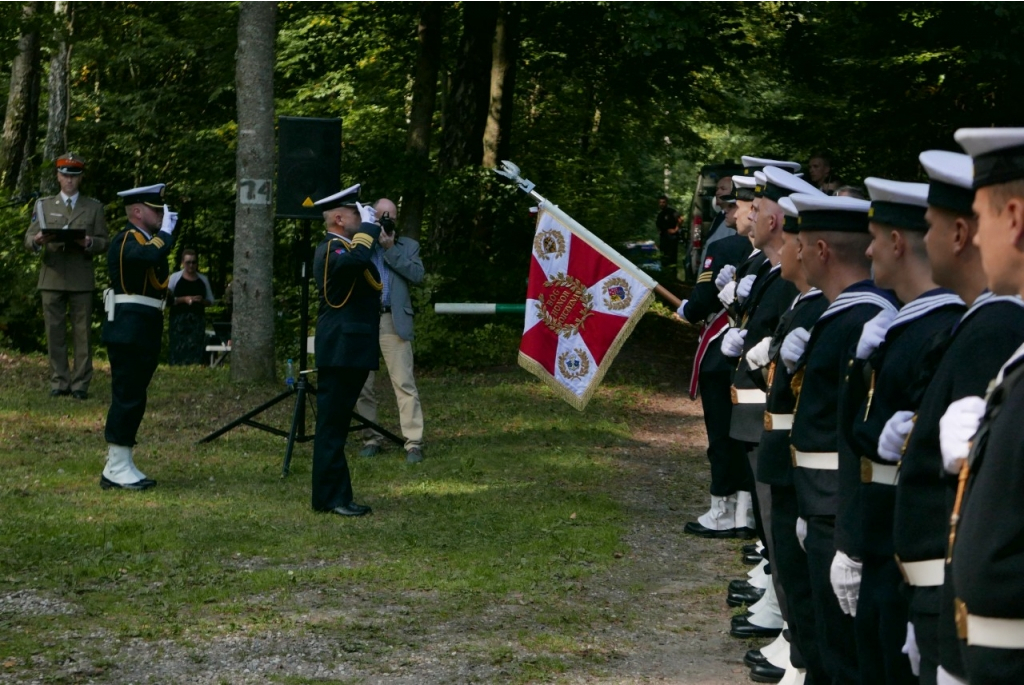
218	354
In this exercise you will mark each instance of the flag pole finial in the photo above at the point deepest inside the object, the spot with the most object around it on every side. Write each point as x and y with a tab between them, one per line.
511	171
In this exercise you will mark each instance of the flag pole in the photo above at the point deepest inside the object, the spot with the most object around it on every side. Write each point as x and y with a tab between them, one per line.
511	172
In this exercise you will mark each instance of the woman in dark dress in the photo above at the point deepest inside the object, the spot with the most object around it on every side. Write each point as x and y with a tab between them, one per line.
190	294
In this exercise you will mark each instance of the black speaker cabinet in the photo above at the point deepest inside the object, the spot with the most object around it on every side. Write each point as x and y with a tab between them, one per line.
308	164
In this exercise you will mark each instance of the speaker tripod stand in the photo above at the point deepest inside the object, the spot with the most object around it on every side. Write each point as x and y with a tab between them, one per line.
302	390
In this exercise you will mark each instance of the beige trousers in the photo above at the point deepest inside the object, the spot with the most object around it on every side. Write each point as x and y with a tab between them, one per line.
397	355
58	306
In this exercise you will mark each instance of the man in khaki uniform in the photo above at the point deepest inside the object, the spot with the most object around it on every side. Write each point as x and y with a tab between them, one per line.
66	277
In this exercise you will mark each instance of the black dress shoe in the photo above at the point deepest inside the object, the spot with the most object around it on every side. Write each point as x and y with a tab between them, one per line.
144	484
743	629
737	599
766	673
753	559
754	657
739	586
80	394
749	549
745	533
698	529
740	619
59	393
351	509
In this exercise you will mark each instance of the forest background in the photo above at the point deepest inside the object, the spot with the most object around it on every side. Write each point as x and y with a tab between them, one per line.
604	105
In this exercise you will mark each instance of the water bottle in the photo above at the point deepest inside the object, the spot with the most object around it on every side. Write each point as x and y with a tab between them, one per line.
289	376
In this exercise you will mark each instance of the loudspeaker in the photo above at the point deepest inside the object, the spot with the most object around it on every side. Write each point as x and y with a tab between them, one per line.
308	165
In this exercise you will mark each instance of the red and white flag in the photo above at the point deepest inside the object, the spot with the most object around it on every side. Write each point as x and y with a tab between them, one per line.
583	301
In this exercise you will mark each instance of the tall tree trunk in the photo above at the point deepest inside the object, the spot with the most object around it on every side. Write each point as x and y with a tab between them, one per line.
56	142
24	72
252	329
28	152
424	99
464	120
462	140
505	50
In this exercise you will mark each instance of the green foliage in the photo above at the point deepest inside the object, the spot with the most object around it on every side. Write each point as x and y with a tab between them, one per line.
21	323
613	103
224	548
460	341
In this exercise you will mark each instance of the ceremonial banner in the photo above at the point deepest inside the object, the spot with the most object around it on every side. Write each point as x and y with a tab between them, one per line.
583	301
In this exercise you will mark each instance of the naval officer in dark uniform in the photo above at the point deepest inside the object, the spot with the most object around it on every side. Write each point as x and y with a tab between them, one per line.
891	370
775	463
985	546
712	375
834	236
924	494
133	328
347	340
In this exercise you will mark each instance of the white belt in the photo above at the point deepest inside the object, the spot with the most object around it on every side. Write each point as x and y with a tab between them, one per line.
999	633
748	396
883	474
110	299
778	422
823	461
927	573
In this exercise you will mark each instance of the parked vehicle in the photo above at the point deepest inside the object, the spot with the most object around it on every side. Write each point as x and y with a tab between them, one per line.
701	212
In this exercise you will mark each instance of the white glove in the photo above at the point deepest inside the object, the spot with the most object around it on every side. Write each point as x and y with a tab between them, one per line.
956	429
894	435
845	577
743	289
728	294
725	276
801	532
944	677
911	650
757	356
681	308
170	220
732	342
873	333
367	214
793	347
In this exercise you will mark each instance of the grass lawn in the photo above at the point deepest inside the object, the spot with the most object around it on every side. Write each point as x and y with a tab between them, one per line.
513	507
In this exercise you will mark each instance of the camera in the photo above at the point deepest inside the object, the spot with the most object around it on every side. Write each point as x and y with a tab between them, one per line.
387	224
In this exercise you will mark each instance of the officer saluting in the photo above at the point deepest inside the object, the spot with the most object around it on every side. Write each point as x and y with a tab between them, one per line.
133	329
347	340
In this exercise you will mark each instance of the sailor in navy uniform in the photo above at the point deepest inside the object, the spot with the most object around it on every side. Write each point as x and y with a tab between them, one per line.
775	463
987	526
711	374
768	298
133	328
833	236
347	340
924	497
892	368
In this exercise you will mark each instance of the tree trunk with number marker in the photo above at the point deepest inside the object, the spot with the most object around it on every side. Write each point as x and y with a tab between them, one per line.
252	323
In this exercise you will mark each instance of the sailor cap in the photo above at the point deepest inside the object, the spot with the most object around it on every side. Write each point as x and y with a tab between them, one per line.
998	153
898	203
950	180
830	213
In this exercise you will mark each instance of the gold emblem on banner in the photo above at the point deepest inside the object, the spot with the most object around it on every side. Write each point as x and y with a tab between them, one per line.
574	364
549	244
617	294
565	304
